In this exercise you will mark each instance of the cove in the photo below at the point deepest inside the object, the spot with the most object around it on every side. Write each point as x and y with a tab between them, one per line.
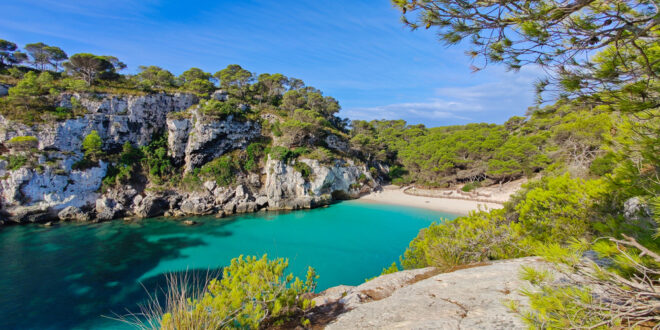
70	275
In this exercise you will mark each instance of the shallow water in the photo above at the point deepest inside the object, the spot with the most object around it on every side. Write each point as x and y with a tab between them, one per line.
71	275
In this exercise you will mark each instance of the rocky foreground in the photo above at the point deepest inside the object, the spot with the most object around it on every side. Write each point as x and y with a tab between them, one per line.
472	298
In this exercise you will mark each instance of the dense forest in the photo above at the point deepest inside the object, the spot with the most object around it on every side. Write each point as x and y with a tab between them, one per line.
591	147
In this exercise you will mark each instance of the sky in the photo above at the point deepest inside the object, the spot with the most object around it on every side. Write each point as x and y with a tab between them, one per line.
357	51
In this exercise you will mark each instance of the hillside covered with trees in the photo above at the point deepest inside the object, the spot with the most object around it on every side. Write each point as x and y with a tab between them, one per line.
591	147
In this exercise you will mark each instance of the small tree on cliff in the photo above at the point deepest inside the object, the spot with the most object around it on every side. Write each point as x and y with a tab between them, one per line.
92	146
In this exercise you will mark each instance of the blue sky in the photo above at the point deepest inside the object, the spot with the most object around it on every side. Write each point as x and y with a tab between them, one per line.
356	51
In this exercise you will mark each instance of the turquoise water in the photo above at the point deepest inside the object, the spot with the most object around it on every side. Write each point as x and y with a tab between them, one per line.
71	275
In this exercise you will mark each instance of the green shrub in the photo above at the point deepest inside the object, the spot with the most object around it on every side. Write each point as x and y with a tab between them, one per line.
303	169
471	186
155	159
221	170
219	109
92	144
556	209
275	128
15	162
23	142
252	293
253	152
191	181
84	164
479	237
603	165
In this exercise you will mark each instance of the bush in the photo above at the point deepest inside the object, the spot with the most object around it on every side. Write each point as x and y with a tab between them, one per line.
155	160
15	162
219	110
23	142
471	186
252	293
92	146
556	209
220	169
479	237
303	169
253	152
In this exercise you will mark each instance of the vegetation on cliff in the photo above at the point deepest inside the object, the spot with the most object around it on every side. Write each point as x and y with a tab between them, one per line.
603	181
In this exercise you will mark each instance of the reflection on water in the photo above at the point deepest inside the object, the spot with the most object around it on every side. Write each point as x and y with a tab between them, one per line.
68	276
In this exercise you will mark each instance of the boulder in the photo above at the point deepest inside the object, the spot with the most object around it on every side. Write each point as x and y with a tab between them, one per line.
220	95
72	213
196	205
261	201
151	207
229	208
4	90
209	185
108	209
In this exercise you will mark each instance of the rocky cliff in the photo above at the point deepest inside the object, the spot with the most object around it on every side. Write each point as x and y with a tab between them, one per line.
48	186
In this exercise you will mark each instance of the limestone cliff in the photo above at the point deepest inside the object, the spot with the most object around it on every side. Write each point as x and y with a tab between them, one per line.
50	186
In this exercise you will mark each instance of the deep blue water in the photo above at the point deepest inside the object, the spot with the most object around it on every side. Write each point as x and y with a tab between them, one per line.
71	275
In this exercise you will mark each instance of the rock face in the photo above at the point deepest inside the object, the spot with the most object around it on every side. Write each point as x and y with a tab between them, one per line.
117	119
286	188
53	185
419	299
197	140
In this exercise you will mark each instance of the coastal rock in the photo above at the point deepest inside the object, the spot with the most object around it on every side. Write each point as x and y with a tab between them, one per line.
51	187
286	188
108	209
198	139
196	205
472	298
151	206
72	213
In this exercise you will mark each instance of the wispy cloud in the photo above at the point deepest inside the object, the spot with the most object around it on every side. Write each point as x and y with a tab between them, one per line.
510	93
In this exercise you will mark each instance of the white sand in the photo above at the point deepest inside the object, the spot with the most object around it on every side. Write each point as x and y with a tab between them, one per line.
395	196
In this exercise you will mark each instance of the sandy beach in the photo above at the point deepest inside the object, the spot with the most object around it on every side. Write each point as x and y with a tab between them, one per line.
395	196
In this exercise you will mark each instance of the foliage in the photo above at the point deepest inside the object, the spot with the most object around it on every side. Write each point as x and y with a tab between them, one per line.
221	169
254	152
43	55
285	154
251	293
9	54
471	186
304	169
151	77
556	209
551	34
90	66
14	162
235	80
624	293
155	159
220	110
127	165
23	142
479	237
92	145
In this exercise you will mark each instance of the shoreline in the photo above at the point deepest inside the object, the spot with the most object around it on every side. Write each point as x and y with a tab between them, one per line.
391	195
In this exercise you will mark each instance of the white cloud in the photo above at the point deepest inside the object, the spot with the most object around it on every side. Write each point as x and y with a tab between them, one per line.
504	94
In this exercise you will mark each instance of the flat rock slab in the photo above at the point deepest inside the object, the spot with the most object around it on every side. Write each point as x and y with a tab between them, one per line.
472	298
